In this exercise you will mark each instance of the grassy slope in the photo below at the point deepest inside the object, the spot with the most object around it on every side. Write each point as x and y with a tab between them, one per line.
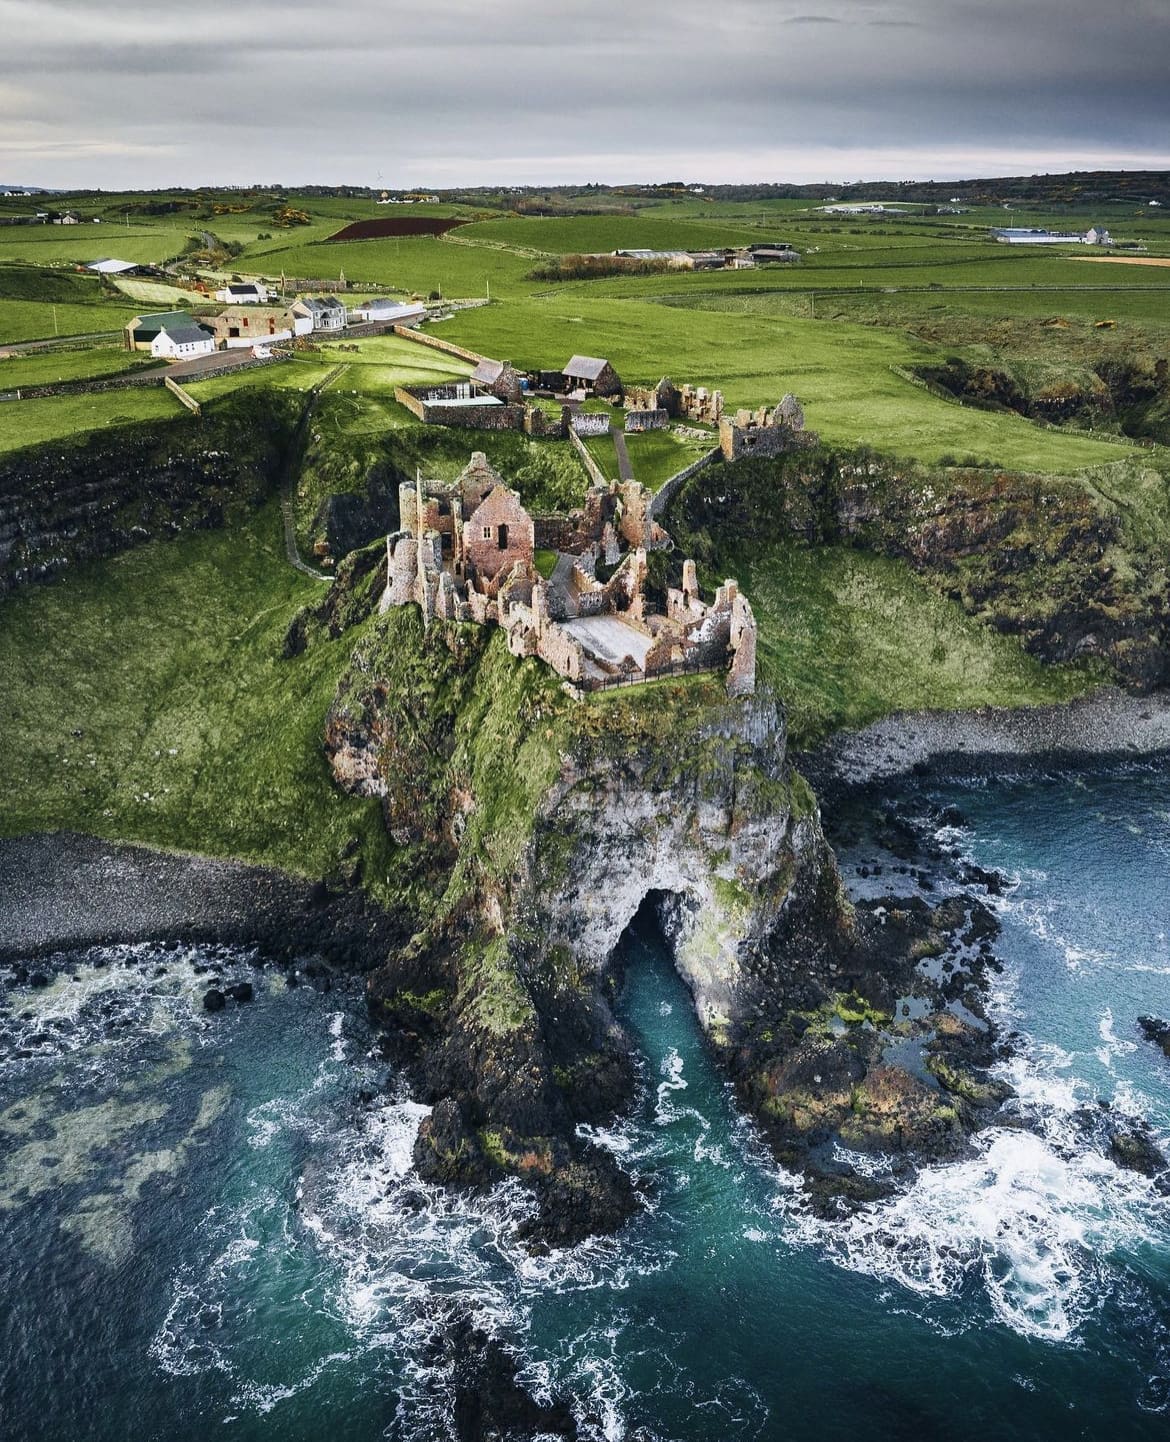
40	368
177	645
194	733
841	373
846	638
33	320
27	423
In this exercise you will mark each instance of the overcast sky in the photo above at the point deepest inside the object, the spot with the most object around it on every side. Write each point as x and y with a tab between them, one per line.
128	93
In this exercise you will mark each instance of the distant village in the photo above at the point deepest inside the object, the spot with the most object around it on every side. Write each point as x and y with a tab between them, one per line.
254	319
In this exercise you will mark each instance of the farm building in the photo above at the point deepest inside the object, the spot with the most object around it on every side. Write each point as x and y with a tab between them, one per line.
1023	235
591	375
182	342
498	378
325	312
241	326
142	330
397	312
775	253
249	293
110	266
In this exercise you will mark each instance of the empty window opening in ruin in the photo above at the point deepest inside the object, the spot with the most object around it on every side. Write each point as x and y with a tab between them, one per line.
502	539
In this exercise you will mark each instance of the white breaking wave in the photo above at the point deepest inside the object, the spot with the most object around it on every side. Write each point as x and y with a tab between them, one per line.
1037	1219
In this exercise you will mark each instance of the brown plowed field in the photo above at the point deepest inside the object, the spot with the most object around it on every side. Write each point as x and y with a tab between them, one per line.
1125	259
396	225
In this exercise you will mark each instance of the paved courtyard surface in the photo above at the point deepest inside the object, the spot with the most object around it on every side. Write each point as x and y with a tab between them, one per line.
609	639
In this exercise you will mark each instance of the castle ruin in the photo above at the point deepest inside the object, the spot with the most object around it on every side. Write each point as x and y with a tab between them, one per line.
769	431
467	552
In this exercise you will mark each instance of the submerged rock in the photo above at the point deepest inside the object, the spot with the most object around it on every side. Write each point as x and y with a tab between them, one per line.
1156	1030
489	1400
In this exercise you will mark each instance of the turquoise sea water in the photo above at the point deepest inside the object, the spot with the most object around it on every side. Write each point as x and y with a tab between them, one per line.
205	1232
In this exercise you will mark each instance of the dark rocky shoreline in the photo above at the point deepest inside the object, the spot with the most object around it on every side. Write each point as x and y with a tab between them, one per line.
798	1065
63	891
1110	725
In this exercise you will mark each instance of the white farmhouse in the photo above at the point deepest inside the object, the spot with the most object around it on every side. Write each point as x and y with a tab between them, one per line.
325	313
250	293
182	342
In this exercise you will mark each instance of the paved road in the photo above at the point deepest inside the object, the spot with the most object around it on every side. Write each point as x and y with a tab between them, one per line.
216	364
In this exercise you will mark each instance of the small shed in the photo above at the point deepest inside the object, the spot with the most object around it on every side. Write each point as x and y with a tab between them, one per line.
593	375
397	312
498	378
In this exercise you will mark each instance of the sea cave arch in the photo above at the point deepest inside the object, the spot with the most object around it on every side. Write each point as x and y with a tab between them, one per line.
695	934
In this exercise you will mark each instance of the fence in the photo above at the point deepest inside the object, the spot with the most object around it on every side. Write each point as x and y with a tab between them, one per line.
667	491
677	668
177	390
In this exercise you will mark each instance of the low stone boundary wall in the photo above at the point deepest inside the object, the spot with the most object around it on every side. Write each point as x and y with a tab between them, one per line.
470	417
438	343
667	491
590	423
137	378
595	472
650	420
177	390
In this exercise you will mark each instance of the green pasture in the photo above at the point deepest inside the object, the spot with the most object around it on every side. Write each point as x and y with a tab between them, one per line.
147	696
57	418
413	264
846	638
385	361
658	455
22	320
54	365
843	374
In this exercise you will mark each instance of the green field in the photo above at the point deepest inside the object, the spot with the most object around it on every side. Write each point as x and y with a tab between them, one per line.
194	732
146	698
847	638
56	364
29	423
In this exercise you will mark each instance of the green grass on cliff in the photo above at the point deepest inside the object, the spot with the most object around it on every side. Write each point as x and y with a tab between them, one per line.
51	366
64	418
145	699
846	638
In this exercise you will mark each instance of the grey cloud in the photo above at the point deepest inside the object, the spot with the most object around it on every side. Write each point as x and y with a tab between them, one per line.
131	92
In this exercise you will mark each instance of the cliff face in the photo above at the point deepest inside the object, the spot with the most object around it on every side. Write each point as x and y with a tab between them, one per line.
61	504
703	816
530	830
1074	567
